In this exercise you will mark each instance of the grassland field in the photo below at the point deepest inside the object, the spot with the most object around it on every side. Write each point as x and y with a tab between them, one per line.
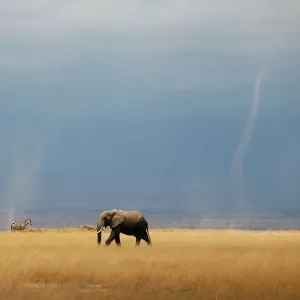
181	264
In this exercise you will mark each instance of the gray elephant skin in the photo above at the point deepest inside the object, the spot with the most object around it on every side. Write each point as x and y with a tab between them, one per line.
128	222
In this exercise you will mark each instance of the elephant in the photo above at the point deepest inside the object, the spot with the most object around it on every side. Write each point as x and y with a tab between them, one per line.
128	222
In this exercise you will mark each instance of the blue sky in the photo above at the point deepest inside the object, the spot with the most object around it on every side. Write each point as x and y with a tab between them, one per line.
138	104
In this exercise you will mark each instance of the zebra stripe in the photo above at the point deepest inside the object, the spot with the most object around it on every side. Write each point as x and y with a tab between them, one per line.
20	225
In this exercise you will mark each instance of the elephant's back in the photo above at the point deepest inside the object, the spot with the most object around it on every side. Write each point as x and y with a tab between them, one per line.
132	217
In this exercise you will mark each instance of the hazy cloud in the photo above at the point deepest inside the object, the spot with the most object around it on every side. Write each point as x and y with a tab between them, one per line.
251	28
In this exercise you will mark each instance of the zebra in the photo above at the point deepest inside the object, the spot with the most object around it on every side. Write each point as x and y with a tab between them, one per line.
20	225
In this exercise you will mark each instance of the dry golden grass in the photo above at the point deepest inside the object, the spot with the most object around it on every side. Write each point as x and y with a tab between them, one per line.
182	264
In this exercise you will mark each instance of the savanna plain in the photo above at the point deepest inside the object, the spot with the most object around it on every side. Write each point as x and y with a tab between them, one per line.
181	264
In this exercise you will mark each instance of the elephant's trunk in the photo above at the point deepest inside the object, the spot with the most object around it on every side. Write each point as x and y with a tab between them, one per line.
99	228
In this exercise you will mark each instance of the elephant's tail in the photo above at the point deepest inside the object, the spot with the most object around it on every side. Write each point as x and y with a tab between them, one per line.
148	235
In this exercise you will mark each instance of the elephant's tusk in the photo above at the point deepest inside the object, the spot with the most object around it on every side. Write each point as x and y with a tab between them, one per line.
99	231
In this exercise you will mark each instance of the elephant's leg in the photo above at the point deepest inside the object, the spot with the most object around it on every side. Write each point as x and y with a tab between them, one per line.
111	238
137	241
146	238
117	239
116	235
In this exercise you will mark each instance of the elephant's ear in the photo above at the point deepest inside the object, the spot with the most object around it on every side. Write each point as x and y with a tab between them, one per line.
117	219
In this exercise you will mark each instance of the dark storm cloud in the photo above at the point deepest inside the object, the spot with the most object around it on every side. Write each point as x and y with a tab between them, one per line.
143	104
